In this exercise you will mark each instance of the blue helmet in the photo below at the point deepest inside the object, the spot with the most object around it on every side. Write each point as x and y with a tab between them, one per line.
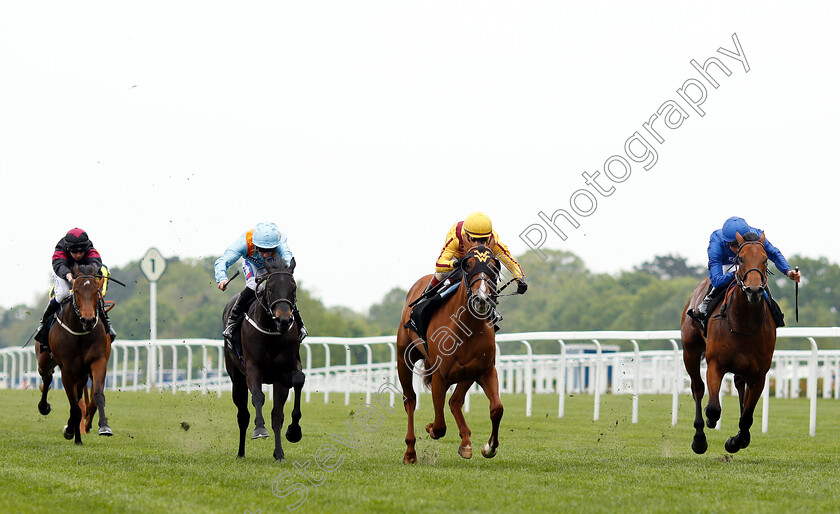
266	235
733	225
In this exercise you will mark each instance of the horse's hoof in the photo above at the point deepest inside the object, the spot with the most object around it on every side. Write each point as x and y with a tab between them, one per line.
44	408
240	455
66	433
487	451
732	445
699	445
293	434
465	452
433	434
410	458
260	433
105	431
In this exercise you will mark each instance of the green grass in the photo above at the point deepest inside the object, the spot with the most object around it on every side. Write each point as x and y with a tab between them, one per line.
152	464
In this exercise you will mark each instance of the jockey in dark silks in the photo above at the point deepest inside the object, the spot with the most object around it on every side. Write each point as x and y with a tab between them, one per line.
72	249
723	256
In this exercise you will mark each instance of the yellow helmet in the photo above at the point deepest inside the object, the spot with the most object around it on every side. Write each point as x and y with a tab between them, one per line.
478	225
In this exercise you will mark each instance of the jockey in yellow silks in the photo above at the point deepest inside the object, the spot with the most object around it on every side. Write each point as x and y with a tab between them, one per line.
477	227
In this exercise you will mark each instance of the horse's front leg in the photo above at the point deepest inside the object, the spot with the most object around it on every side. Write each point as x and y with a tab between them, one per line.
750	400
490	384
71	429
293	433
456	405
281	394
437	428
97	373
257	400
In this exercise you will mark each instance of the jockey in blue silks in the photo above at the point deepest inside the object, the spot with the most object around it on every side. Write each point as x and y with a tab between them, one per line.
263	242
723	254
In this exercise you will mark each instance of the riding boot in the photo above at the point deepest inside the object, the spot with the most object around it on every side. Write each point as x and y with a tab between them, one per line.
46	322
701	313
238	310
302	332
108	326
775	310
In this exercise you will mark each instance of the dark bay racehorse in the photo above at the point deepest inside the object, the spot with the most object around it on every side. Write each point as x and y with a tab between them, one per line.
741	341
80	346
271	352
461	350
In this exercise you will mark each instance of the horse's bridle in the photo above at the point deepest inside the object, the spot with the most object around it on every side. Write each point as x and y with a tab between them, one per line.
78	312
739	279
483	257
263	299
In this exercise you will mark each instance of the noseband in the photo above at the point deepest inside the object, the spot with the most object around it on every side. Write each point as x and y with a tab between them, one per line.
482	270
739	279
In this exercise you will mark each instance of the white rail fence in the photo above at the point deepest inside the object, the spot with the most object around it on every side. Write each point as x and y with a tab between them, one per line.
579	364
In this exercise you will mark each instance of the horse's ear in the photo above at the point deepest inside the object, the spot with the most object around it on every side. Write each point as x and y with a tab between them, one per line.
739	238
292	265
761	239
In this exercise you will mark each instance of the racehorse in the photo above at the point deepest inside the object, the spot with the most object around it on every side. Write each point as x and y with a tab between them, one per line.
461	350
80	346
741	339
271	355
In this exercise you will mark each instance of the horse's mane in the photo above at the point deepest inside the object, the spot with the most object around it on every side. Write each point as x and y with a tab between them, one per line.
85	269
275	264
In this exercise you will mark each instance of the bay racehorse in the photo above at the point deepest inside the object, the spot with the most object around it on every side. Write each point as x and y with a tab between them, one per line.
271	355
741	339
460	351
80	346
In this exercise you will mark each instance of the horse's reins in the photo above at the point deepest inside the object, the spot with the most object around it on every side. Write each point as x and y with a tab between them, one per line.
78	312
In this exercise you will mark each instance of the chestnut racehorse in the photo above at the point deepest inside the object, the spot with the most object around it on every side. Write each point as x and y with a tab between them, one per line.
80	346
461	350
741	341
271	351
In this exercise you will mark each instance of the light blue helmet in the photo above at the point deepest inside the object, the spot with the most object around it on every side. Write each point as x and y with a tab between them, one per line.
266	235
733	225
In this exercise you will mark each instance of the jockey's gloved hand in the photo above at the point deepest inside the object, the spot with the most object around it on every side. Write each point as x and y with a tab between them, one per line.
456	263
521	286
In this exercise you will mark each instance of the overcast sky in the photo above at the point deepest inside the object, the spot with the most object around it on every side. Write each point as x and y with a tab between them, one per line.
365	129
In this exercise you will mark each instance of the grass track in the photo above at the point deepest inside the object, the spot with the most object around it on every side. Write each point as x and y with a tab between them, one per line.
545	464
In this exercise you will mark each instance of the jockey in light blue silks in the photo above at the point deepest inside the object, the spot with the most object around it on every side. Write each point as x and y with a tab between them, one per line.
723	255
263	242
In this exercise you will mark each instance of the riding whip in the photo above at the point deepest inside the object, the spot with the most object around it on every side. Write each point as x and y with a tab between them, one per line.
231	278
796	295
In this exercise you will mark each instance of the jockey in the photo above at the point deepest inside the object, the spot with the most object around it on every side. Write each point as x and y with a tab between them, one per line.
477	227
263	242
723	254
74	248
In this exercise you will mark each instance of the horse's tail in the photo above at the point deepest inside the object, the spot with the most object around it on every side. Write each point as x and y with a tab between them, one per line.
427	376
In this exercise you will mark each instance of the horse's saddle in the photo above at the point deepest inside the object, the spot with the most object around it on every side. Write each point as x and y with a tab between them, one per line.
429	302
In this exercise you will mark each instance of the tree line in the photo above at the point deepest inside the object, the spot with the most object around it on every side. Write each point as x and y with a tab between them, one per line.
563	295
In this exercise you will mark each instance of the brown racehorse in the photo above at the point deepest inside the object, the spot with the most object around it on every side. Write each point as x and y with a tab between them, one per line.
271	351
461	350
741	341
80	346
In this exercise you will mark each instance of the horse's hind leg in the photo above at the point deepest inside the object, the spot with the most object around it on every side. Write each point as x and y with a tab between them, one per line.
410	403
258	401
45	369
714	377
281	394
456	405
97	373
691	357
490	384
293	433
240	399
750	399
88	410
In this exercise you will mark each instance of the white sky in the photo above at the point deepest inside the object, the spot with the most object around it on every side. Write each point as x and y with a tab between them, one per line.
365	129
